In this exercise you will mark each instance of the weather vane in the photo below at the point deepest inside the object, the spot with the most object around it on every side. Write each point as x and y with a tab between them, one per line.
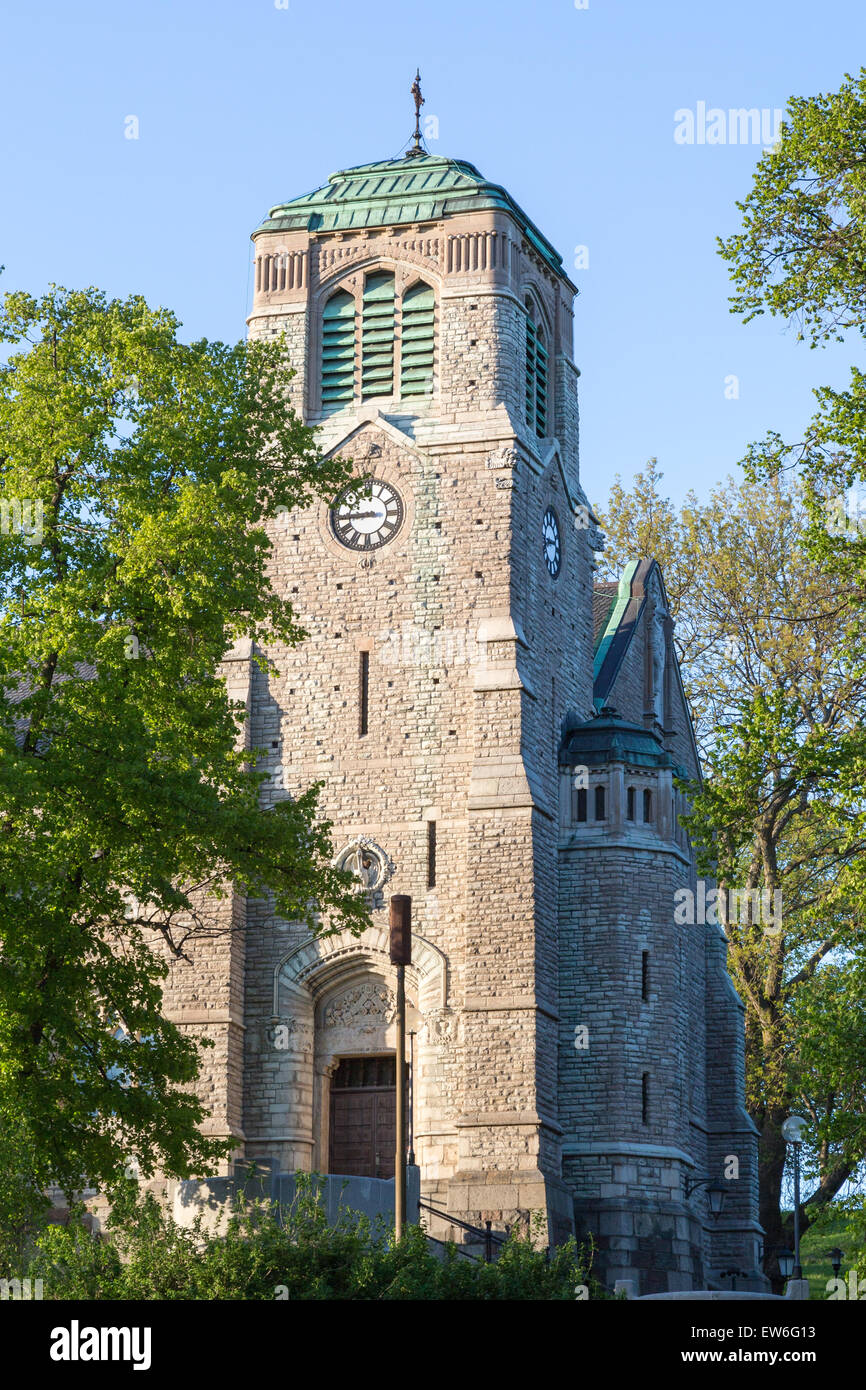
415	89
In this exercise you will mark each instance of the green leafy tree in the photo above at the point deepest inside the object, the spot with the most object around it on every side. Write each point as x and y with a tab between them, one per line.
136	475
778	693
800	255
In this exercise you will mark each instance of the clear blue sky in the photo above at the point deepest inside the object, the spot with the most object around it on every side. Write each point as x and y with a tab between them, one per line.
241	104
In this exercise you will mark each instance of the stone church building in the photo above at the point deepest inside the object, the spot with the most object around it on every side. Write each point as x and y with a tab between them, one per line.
496	735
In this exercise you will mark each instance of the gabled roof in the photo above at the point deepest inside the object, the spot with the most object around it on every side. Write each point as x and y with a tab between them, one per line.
617	607
421	189
626	601
603	599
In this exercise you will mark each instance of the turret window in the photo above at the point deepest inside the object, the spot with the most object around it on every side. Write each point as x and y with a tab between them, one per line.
599	803
629	804
647	805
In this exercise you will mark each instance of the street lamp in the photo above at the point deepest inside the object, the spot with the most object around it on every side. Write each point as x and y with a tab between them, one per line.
793	1133
836	1258
786	1262
716	1193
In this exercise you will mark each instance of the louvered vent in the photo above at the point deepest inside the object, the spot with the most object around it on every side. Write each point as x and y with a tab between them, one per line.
338	351
536	380
377	337
416	353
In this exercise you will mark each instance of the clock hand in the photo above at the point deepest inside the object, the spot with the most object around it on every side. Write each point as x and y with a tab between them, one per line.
359	516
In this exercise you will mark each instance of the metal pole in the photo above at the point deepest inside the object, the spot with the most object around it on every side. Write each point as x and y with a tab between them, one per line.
410	1158
401	956
798	1270
400	1157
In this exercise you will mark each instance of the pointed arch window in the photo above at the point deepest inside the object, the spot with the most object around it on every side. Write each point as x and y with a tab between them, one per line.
416	340
377	336
338	351
536	372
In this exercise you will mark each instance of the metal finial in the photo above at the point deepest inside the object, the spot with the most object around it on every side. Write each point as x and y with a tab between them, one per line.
415	89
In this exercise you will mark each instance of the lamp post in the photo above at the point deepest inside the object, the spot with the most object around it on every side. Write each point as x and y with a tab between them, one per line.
410	1157
792	1132
836	1258
716	1193
401	956
785	1258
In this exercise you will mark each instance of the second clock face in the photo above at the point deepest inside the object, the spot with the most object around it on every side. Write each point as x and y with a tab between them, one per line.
367	515
551	542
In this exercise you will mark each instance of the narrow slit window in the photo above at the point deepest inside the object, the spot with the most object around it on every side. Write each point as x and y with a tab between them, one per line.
629	804
431	854
647	805
645	1097
377	337
338	352
599	803
644	976
416	341
580	804
364	693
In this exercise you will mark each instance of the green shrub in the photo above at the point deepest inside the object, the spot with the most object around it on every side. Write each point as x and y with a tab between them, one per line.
291	1254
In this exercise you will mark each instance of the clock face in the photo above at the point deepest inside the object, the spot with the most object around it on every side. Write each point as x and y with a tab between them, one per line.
367	515
551	542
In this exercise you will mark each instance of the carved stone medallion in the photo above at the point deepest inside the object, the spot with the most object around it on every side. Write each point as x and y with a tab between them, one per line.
367	861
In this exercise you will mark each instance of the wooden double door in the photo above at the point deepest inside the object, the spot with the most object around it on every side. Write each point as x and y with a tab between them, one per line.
363	1128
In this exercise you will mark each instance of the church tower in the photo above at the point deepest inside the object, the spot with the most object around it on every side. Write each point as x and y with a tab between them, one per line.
454	697
430	325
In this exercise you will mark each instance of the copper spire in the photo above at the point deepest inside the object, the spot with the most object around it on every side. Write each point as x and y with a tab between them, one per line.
417	148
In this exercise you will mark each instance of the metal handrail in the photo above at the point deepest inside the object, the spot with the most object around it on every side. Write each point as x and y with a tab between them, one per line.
488	1235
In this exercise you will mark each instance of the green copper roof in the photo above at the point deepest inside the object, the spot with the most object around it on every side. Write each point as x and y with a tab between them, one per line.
608	738
423	189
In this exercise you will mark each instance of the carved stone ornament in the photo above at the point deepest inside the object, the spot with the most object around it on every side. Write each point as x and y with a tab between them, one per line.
367	861
366	1006
506	457
441	1026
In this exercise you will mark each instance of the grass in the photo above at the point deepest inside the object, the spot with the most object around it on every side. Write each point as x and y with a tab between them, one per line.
814	1253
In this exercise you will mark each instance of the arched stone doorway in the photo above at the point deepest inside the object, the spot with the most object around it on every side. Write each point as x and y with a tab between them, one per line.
334	997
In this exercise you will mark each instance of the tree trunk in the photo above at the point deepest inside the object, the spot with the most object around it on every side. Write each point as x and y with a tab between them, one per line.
771	1168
